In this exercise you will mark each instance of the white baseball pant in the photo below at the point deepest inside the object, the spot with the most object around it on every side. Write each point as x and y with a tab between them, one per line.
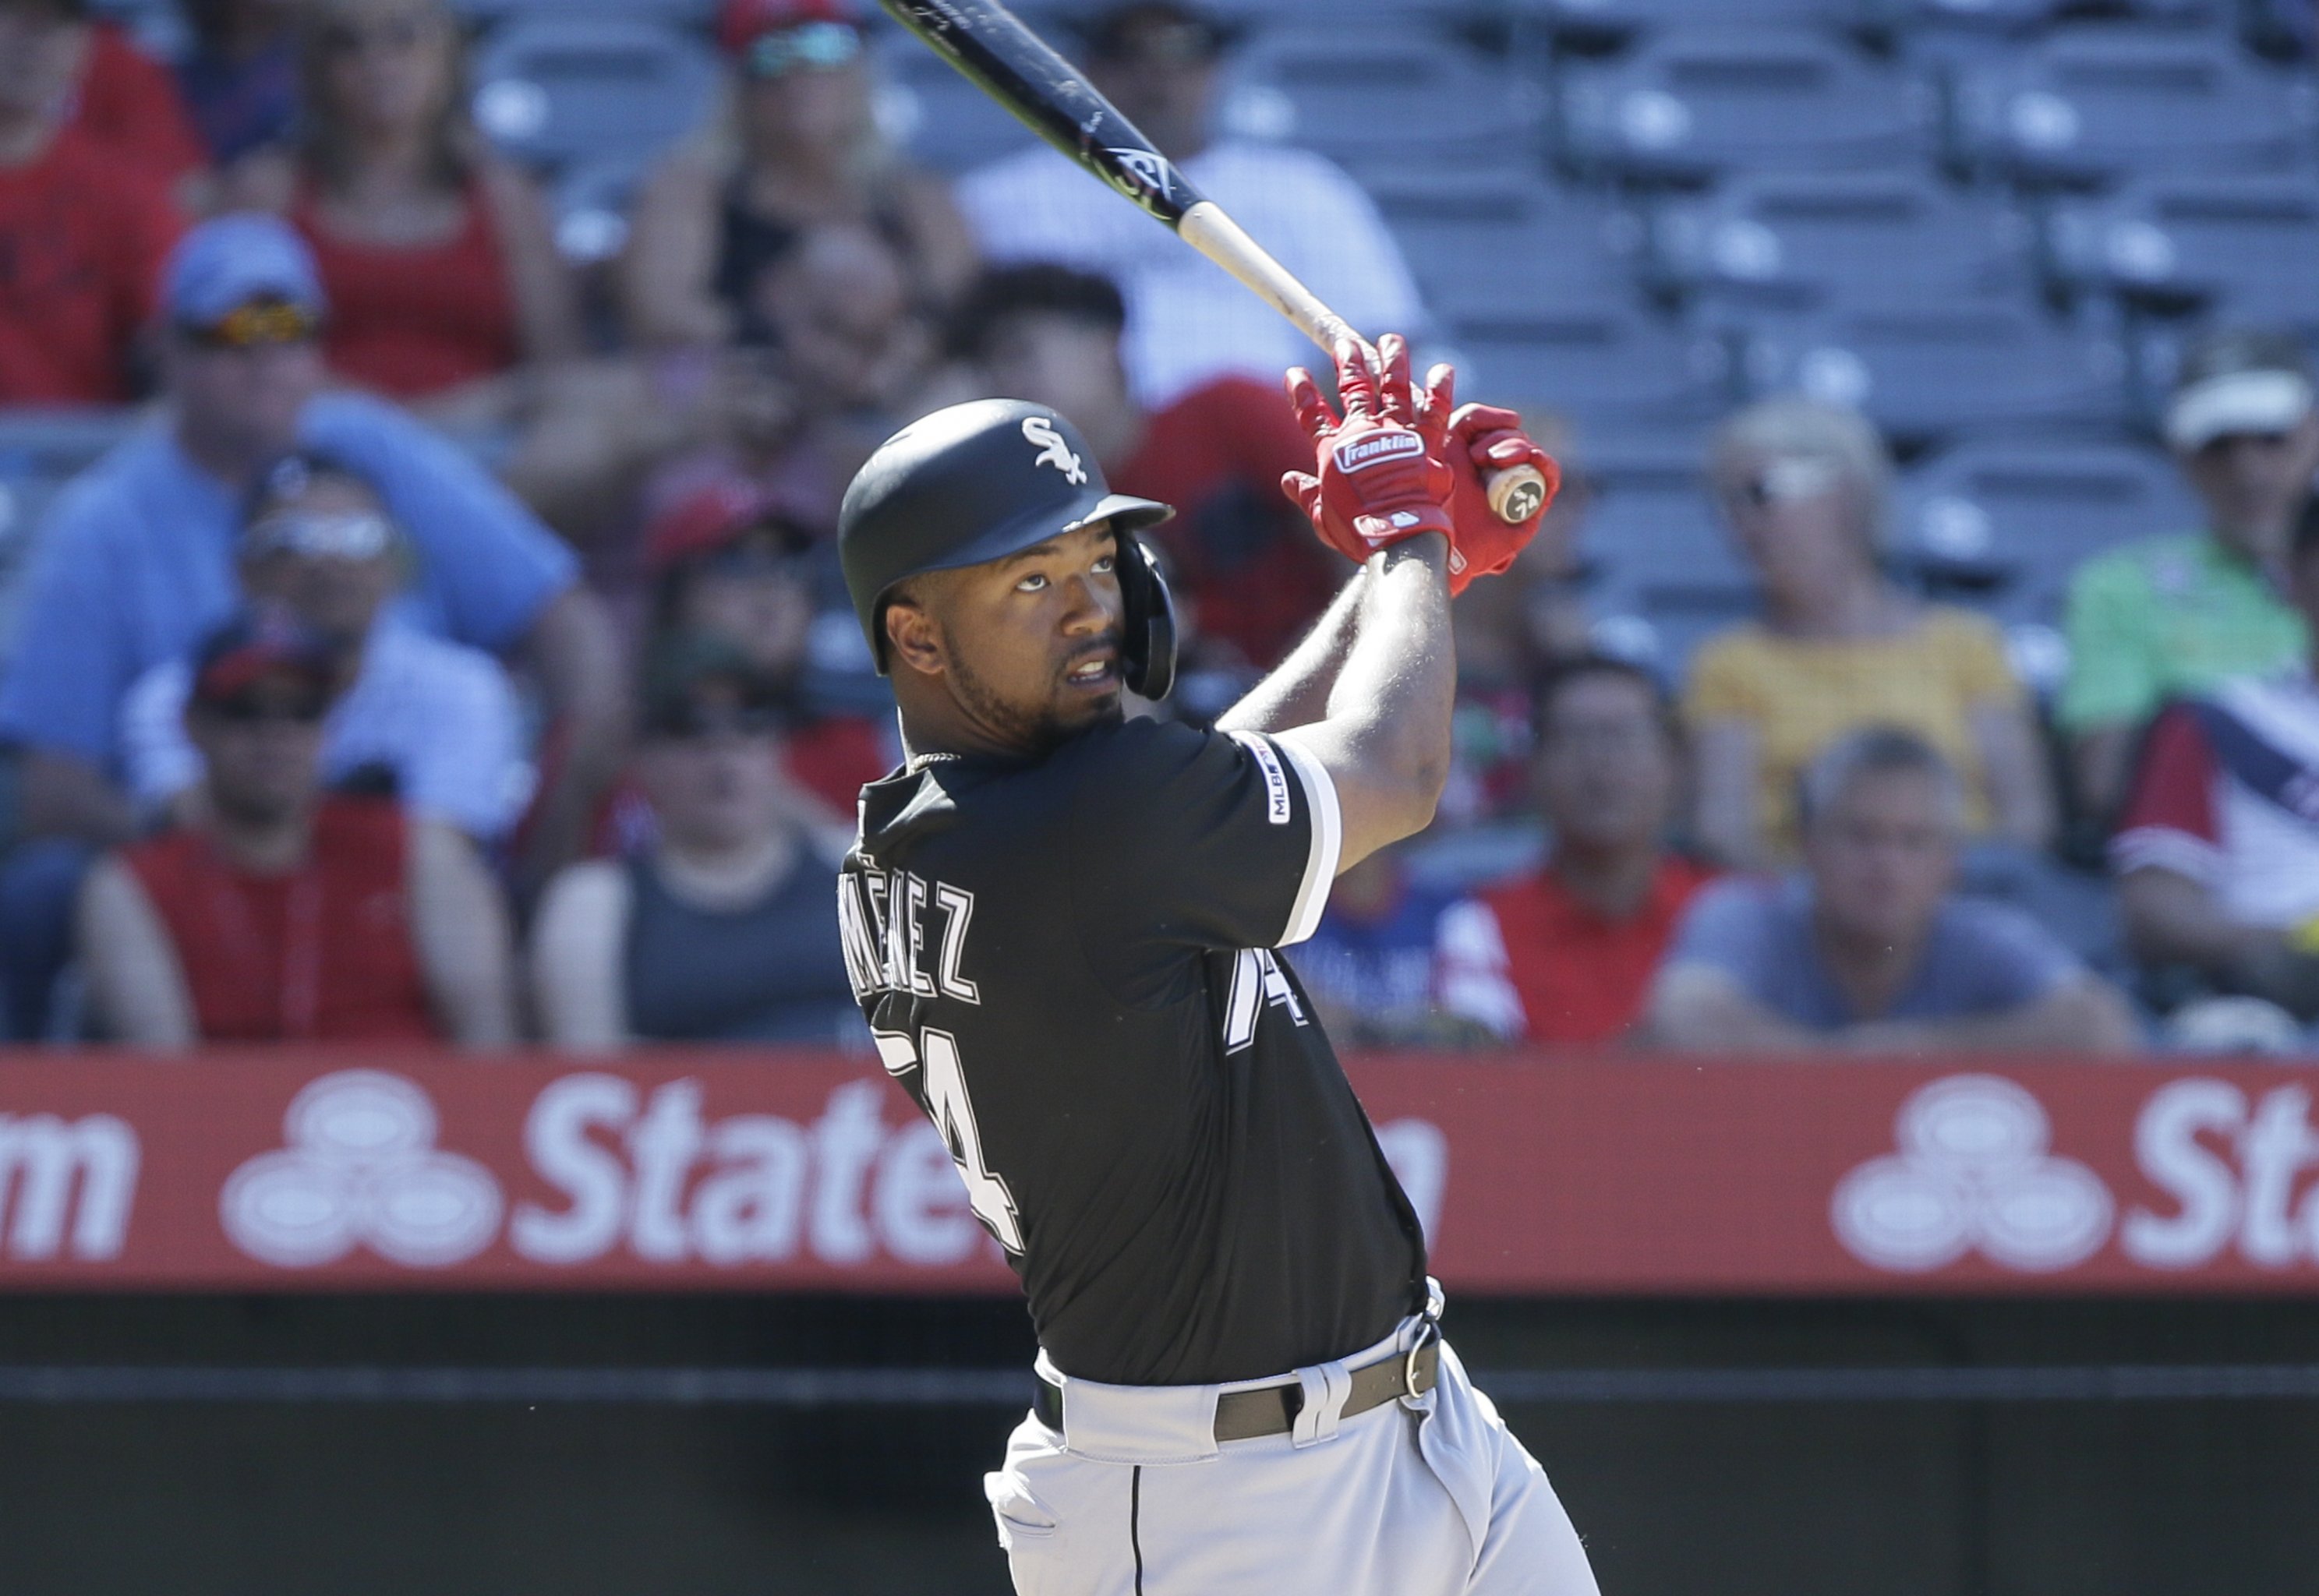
1431	1496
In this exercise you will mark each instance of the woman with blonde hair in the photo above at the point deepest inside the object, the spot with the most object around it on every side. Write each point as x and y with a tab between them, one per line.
1839	647
800	150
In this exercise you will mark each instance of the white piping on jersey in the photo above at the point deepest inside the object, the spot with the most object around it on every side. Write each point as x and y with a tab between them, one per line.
1328	839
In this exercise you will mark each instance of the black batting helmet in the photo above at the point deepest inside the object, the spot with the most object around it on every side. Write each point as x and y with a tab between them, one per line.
978	481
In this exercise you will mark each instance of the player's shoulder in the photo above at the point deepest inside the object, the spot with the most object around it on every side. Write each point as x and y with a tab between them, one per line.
1135	754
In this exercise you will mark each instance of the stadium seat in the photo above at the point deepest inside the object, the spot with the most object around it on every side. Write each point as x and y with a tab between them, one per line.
2023	518
1686	106
1812	240
1600	365
1935	372
1595	24
1909	18
1399	90
2098	103
556	89
2248	245
1489	246
1667	574
694	15
925	106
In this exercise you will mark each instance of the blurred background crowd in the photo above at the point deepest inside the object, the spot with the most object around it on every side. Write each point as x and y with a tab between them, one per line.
422	424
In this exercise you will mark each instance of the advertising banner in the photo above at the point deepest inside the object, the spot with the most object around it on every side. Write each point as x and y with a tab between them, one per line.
288	1170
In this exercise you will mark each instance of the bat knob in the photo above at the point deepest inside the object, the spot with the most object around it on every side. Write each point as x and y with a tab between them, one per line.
1518	495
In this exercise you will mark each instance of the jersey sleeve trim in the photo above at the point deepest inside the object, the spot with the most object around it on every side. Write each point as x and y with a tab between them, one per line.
1328	839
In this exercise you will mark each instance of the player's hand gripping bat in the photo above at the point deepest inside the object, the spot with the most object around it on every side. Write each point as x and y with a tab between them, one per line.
1011	64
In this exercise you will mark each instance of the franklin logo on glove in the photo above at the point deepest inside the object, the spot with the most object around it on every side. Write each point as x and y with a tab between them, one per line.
1377	448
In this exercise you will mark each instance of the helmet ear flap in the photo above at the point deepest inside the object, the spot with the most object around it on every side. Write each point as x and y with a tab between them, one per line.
1147	622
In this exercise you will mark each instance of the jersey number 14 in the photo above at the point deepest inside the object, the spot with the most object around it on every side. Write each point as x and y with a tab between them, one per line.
942	1082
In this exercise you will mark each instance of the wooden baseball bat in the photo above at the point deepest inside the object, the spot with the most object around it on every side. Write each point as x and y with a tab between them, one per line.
1011	64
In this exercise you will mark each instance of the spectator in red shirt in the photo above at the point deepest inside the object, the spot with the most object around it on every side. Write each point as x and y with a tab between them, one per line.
2218	850
82	234
128	102
286	914
1240	553
436	256
1566	954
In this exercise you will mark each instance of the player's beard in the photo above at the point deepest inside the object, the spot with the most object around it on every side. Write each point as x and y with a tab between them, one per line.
1037	731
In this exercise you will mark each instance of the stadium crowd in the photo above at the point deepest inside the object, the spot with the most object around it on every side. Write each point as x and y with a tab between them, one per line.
449	644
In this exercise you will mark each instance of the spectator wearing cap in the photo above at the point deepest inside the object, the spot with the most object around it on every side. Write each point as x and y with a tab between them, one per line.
1188	322
1564	955
436	720
802	150
1802	486
1870	949
436	256
734	563
286	914
137	562
83	233
725	928
238	75
1237	549
2217	846
2177	615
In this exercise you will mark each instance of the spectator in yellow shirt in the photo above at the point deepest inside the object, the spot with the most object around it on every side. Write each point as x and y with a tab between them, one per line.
1839	646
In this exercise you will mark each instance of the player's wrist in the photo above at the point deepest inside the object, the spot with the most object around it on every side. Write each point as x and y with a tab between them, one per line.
1429	548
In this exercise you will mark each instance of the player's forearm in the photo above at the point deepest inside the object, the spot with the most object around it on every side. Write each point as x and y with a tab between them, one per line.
1391	704
1297	692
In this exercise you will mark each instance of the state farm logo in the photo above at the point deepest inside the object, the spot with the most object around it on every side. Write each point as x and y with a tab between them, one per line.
1973	1174
1363	452
362	1169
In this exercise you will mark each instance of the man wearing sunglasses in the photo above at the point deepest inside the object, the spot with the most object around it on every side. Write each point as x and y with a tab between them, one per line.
1160	61
286	913
2173	617
437	719
137	563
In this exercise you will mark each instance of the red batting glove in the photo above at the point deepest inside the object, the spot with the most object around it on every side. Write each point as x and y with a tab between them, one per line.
1483	440
1382	479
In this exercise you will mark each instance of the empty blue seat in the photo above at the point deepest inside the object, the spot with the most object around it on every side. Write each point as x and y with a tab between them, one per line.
1594	23
1935	372
1402	90
2025	516
695	15
1812	239
1667	576
1686	106
928	107
2248	246
1488	247
1604	365
557	89
2098	103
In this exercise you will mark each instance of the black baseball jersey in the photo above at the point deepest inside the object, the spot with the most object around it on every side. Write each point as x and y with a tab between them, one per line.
1069	962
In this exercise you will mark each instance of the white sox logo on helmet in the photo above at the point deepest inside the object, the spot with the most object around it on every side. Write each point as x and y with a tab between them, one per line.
1053	450
1377	448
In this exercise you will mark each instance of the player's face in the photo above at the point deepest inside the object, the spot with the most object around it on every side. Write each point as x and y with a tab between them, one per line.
1031	643
1883	856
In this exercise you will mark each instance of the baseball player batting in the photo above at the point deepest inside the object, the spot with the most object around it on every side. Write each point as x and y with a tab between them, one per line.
1063	925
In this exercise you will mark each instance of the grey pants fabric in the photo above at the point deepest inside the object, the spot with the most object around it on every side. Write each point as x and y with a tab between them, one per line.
1429	1497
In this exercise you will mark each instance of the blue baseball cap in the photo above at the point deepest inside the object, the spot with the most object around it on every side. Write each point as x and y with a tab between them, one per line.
224	264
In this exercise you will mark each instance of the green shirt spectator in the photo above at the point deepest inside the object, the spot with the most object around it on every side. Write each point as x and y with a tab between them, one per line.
2167	619
2179	615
